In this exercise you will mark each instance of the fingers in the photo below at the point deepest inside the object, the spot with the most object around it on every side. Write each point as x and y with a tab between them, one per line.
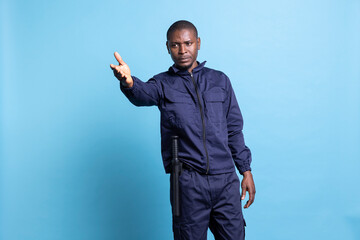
117	71
243	193
119	59
251	199
116	68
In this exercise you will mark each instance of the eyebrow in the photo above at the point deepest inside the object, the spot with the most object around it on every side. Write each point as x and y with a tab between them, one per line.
187	41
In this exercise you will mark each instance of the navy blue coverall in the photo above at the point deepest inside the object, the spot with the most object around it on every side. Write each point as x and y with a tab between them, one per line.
201	108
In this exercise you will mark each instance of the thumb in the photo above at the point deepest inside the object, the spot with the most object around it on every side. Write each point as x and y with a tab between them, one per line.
119	59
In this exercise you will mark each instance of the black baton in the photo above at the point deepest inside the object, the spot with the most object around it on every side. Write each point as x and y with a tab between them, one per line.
176	171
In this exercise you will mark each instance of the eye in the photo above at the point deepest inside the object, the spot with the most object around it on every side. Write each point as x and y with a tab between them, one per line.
188	43
174	45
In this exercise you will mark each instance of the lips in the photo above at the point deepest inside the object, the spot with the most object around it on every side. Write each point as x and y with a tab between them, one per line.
184	59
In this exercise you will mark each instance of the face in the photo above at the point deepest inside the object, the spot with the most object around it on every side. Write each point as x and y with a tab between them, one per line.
183	47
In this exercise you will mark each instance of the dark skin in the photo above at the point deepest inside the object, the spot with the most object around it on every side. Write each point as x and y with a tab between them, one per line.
183	46
247	184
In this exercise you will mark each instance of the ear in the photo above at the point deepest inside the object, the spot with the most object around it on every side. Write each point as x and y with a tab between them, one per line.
198	43
167	47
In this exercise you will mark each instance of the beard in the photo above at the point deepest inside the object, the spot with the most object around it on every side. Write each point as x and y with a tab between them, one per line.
184	67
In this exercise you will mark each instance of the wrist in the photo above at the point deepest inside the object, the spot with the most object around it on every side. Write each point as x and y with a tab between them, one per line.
247	173
127	84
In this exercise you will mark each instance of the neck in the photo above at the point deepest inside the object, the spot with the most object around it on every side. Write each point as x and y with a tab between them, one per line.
195	64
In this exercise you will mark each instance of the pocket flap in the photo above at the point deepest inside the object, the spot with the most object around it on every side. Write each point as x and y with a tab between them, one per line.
215	96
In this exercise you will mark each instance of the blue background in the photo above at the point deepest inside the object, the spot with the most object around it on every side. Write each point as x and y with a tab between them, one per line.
78	161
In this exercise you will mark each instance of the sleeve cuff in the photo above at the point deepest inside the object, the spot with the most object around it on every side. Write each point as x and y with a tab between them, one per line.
128	88
129	92
243	169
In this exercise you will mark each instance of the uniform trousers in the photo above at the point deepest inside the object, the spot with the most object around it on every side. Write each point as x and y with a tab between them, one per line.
209	201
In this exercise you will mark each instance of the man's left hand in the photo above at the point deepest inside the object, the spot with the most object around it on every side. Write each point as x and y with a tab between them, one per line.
247	184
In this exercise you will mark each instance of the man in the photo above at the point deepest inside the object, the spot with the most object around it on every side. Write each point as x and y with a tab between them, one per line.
198	104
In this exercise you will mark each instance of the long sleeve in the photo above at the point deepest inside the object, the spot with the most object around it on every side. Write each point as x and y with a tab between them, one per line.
143	93
240	152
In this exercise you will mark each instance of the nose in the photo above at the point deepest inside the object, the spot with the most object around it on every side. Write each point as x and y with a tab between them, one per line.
182	49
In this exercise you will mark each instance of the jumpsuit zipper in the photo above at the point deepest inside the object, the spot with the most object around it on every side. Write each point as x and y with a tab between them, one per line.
203	123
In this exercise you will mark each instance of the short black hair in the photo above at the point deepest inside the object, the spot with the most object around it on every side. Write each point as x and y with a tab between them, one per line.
181	24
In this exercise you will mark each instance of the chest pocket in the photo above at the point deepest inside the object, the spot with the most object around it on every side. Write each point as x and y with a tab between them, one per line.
214	103
178	108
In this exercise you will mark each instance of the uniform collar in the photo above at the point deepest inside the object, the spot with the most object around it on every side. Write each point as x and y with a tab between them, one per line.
183	72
